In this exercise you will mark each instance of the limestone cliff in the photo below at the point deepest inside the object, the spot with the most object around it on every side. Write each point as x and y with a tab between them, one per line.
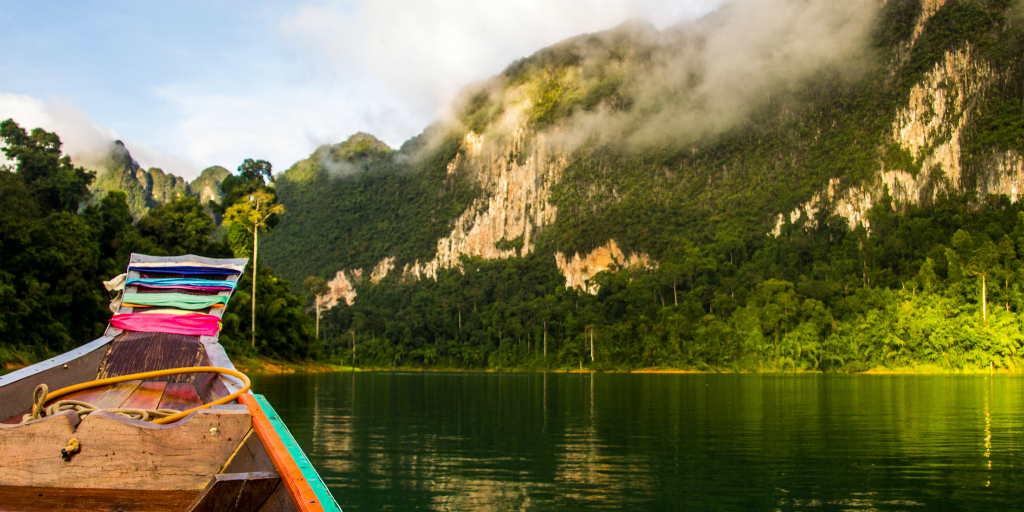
148	188
516	168
931	128
341	287
578	270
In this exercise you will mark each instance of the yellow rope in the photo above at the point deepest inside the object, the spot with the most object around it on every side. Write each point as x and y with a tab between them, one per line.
40	396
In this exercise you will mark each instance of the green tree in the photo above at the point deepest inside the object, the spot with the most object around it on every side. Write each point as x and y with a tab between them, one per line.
182	226
49	176
252	215
317	288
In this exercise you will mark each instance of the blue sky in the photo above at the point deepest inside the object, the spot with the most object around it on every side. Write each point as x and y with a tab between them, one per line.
188	84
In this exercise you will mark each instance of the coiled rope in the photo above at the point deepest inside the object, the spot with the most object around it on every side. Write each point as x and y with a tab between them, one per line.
85	408
41	395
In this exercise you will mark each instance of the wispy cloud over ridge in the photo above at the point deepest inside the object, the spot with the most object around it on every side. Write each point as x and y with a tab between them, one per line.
426	51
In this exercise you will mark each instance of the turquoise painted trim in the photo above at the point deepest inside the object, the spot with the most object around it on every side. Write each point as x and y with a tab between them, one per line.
308	471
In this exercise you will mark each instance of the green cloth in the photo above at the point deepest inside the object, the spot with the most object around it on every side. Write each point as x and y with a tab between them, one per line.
174	300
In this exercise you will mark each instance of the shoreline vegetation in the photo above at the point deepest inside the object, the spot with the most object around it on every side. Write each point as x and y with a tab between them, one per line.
266	365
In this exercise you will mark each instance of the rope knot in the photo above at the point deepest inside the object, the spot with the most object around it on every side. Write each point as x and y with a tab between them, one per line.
38	403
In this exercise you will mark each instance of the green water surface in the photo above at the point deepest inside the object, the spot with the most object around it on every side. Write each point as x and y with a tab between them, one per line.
514	441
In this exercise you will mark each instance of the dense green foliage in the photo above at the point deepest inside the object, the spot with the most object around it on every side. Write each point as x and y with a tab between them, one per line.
283	330
350	207
824	298
207	186
725	294
53	254
57	245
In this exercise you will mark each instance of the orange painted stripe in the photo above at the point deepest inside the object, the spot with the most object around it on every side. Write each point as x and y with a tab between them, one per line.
302	494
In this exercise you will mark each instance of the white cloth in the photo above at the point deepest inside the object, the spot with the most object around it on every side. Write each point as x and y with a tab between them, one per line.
116	284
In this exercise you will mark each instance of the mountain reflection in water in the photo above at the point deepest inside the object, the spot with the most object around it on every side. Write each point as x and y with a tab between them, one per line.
492	441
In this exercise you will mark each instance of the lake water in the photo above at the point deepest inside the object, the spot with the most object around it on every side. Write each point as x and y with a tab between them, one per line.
484	441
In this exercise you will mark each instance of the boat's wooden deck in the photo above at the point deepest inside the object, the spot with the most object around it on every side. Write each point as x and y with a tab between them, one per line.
136	352
133	395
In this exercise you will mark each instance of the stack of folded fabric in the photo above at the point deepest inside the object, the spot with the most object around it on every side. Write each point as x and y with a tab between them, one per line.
202	285
174	311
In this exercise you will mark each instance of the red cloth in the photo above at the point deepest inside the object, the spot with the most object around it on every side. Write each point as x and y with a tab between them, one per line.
193	324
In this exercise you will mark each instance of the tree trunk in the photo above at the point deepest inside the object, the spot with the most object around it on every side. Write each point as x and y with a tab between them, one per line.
591	345
545	338
674	294
460	319
984	301
318	318
353	348
255	247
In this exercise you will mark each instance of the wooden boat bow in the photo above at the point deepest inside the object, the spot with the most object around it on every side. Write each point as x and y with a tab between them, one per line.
222	448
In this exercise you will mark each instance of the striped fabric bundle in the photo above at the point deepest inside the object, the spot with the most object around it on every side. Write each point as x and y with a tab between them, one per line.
203	285
186	270
174	300
191	324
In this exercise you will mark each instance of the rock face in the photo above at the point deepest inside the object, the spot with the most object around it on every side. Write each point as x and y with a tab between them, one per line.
381	270
931	128
148	188
165	187
117	170
341	287
517	169
578	270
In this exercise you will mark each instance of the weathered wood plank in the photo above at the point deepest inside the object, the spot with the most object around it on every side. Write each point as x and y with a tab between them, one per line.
279	501
115	395
85	395
32	499
236	492
180	397
250	457
58	425
146	396
121	453
136	352
79	365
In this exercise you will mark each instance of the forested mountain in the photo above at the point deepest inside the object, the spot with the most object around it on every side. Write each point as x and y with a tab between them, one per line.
148	188
829	187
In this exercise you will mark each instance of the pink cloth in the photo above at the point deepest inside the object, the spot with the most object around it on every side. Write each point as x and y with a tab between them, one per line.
186	287
193	324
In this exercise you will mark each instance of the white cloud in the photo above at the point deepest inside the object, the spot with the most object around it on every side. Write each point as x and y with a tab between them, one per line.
427	50
79	134
82	137
283	124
